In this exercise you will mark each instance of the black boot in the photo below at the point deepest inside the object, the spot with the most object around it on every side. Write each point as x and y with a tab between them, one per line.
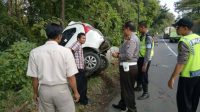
138	88
145	94
120	105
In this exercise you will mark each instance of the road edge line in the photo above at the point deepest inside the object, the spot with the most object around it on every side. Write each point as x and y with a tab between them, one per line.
169	47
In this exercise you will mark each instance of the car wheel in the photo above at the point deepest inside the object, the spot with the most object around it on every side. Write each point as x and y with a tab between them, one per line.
92	62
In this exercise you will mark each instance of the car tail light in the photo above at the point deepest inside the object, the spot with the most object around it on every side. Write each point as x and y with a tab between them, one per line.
86	28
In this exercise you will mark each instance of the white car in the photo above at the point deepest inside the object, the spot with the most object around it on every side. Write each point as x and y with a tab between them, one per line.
94	48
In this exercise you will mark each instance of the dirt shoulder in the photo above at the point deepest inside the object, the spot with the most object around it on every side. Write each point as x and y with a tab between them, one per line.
101	90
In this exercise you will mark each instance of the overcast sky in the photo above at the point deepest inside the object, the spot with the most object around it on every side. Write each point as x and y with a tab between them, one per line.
170	5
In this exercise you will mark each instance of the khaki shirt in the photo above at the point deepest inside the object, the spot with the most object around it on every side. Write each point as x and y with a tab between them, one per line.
129	50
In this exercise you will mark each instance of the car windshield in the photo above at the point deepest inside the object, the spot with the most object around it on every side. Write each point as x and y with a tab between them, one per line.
67	35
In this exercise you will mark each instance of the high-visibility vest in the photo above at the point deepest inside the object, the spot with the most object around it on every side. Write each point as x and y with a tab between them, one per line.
192	67
143	46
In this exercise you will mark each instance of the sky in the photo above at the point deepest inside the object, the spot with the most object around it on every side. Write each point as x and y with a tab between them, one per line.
170	5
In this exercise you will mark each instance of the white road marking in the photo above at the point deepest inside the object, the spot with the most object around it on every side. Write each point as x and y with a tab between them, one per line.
169	48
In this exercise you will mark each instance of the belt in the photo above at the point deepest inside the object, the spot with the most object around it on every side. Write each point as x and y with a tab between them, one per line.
129	63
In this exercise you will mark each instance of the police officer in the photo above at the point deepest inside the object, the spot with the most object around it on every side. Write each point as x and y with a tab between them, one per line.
144	61
128	56
187	67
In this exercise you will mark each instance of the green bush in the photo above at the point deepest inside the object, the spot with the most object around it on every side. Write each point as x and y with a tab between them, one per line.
14	100
106	18
38	29
13	66
11	31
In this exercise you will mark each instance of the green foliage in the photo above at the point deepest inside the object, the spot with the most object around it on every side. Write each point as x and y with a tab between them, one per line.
43	9
189	8
101	14
38	29
12	100
107	21
2	8
151	10
13	66
126	9
164	19
10	30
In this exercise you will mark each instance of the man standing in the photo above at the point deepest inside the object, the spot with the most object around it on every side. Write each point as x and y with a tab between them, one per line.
144	61
50	65
187	67
128	56
81	79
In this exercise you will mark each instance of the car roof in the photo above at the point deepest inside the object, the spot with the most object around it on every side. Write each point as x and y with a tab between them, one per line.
86	24
74	23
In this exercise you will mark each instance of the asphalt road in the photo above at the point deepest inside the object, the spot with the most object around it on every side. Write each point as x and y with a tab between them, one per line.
162	99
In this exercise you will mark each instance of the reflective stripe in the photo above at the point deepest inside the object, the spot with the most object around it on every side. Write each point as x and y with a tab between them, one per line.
194	73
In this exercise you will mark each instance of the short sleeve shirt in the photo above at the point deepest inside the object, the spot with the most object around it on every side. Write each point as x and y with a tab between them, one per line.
183	53
78	54
51	64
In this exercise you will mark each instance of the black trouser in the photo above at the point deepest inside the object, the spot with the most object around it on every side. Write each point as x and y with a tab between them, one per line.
81	81
142	77
188	94
127	82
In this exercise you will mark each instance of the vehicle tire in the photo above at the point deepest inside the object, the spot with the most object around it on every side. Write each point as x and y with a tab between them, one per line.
104	63
92	62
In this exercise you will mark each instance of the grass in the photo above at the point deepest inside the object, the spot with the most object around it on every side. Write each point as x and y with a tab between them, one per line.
99	87
14	100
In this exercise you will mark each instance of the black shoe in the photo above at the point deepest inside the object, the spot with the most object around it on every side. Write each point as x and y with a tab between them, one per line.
138	88
119	107
83	102
144	96
132	110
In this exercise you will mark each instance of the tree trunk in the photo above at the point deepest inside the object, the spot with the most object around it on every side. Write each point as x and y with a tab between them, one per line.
17	9
30	14
10	8
63	10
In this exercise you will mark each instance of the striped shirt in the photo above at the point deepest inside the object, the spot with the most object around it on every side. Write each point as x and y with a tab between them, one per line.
78	54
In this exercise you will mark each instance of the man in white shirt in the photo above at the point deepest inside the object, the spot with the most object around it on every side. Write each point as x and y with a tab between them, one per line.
51	67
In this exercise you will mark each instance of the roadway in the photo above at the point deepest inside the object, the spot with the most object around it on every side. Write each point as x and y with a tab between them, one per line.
162	99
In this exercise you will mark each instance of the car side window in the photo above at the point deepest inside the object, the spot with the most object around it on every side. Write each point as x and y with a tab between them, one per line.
67	35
